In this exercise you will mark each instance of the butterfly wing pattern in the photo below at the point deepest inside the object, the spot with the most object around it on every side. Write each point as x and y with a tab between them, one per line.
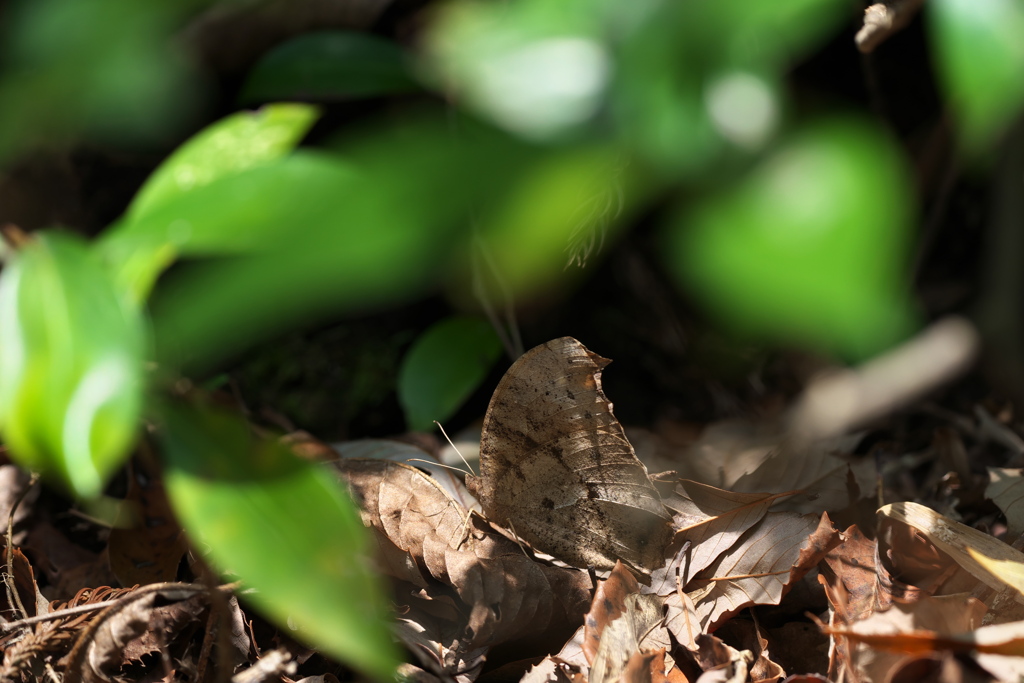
556	468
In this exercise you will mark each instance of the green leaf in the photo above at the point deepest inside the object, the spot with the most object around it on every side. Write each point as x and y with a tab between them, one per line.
312	237
330	65
536	68
285	527
810	249
562	212
980	55
148	240
109	68
253	210
444	366
71	352
237	143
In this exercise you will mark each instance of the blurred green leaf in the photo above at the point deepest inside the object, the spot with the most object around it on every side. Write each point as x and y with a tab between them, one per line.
810	249
329	65
257	209
139	250
105	67
562	212
285	527
71	353
536	68
979	45
694	81
308	243
443	367
234	144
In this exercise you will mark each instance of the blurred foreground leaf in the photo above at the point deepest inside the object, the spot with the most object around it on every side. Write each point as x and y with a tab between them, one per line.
282	525
105	67
313	235
330	65
234	144
561	213
809	249
443	367
141	249
980	50
71	353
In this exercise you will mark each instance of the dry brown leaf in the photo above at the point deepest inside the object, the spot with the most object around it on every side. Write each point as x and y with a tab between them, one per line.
712	519
572	652
440	647
623	623
99	649
878	643
556	468
608	604
25	584
547	671
939	667
637	631
762	565
385	449
506	594
746	457
743	634
826	481
956	540
1006	489
13	482
849	570
721	662
680	613
645	667
150	549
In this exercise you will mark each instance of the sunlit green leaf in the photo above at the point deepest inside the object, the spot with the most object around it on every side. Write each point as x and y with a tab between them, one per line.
809	249
321	236
237	143
285	527
329	65
71	354
149	240
980	53
443	367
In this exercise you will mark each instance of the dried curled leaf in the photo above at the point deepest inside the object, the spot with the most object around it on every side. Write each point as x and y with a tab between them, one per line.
1006	489
761	567
712	519
505	592
961	542
623	624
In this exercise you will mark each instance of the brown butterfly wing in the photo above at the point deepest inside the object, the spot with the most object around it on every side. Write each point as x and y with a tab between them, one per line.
555	465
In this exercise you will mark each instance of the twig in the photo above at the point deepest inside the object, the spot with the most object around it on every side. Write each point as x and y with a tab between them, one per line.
272	664
12	589
842	400
883	19
53	616
75	660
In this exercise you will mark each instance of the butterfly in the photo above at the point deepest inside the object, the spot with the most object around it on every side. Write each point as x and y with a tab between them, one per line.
556	468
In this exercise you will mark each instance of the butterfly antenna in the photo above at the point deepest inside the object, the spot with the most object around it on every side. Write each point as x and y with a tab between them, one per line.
434	463
469	470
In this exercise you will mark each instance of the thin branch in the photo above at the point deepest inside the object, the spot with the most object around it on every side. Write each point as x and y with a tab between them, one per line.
883	19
